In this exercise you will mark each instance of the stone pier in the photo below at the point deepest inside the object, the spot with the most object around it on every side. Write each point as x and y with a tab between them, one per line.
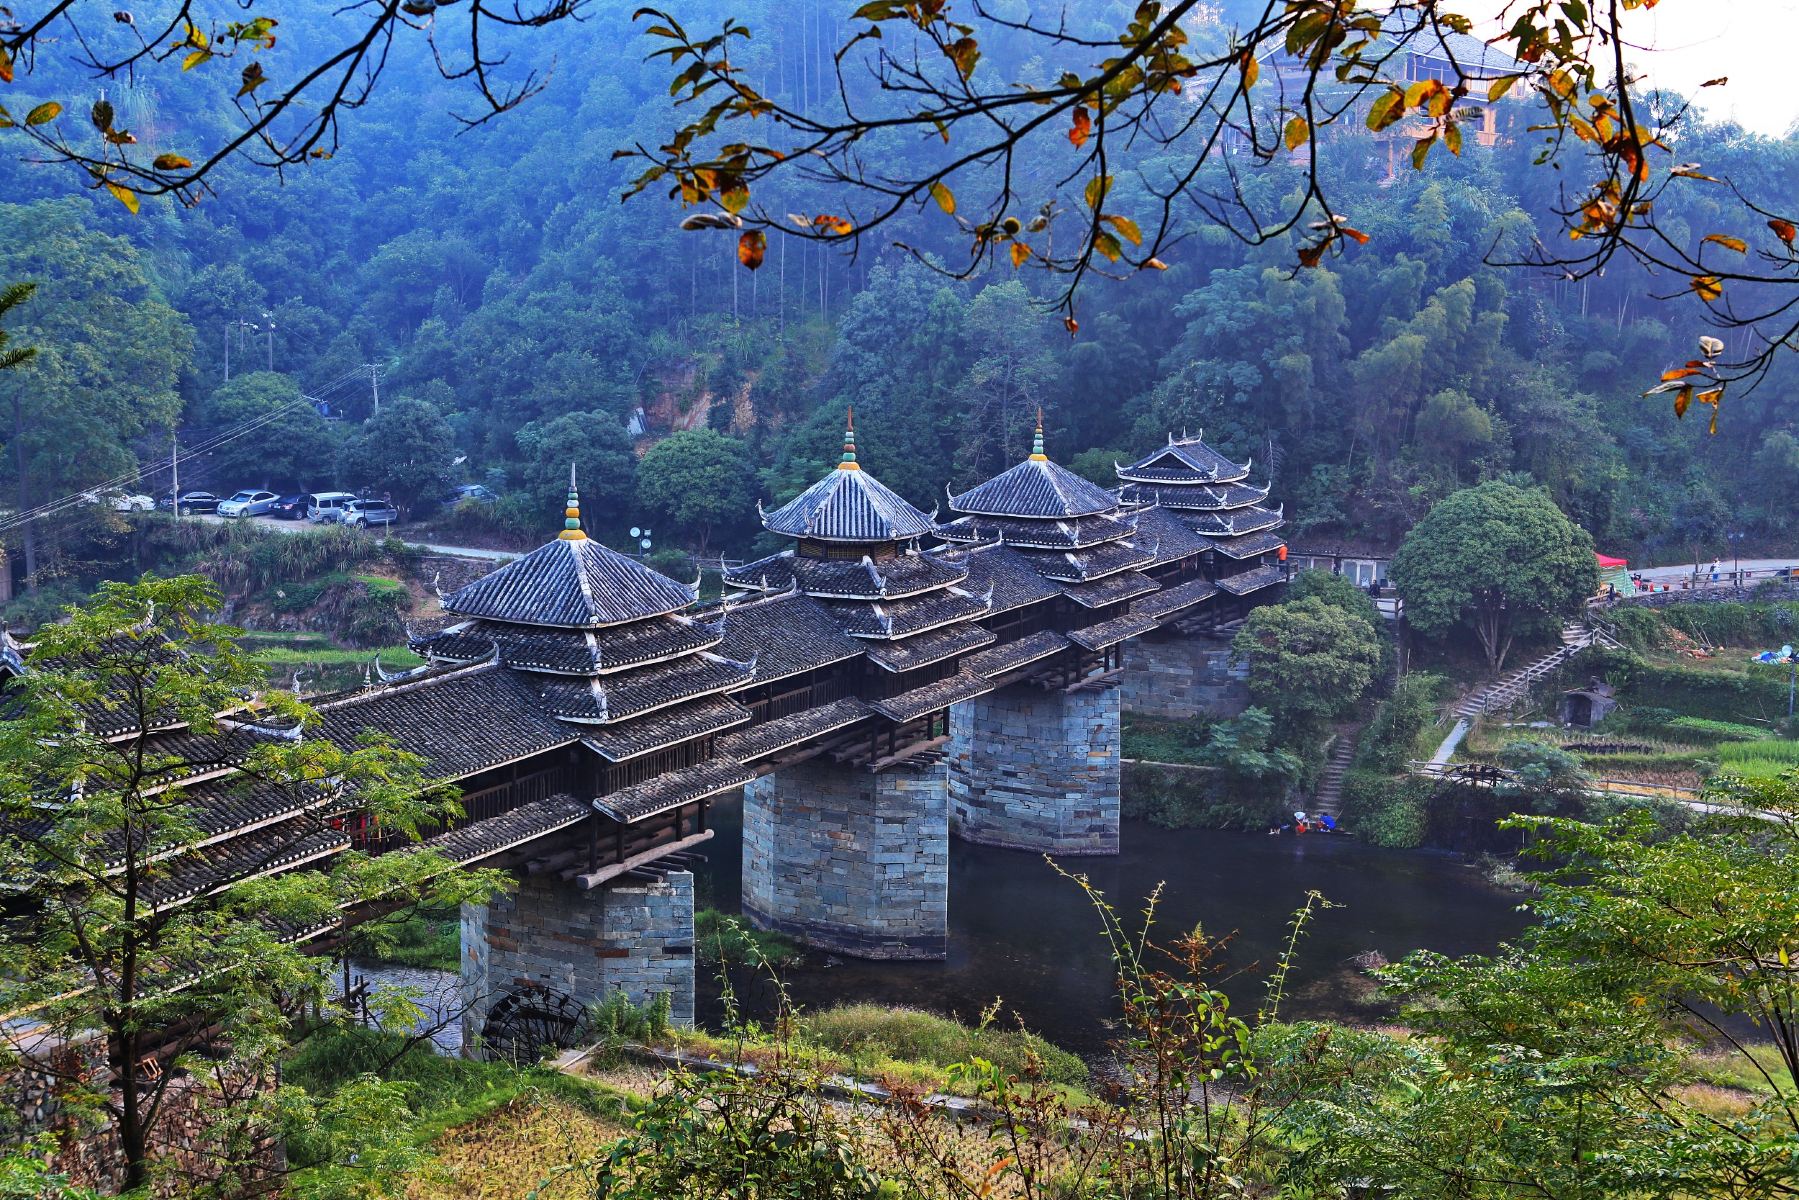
1175	678
845	860
1036	770
635	938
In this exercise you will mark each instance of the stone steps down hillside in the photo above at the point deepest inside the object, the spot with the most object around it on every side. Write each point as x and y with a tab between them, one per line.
1330	781
1515	688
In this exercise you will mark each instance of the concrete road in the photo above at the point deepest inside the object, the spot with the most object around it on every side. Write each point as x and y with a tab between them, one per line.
1754	569
300	526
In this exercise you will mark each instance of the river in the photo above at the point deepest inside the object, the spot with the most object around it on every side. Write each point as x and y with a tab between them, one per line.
1023	935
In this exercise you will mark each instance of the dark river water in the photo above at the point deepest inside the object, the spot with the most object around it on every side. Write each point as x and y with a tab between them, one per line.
1024	935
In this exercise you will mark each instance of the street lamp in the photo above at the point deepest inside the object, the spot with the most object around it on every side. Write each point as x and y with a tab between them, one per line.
1736	556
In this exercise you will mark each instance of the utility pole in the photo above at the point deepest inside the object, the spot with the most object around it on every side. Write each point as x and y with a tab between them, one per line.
271	345
375	384
174	476
228	353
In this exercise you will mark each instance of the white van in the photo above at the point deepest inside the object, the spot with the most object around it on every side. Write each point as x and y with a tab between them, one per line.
327	506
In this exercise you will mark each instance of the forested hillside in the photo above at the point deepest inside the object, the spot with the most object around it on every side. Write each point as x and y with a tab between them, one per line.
520	314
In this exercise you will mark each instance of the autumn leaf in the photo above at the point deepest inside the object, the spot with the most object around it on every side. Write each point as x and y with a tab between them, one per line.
1729	243
124	196
831	223
1386	110
171	162
1021	254
946	199
1107	246
1097	187
1083	126
1127	228
1786	231
1682	398
750	248
1310	256
964	52
1360	238
1156	264
1709	287
253	78
5	66
1501	86
1297	133
1071	325
1252	70
735	198
195	59
102	116
44	113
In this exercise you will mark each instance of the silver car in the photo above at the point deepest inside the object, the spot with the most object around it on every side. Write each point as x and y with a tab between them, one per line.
248	504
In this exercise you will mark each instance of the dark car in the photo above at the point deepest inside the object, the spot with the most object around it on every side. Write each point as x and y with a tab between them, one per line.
191	502
363	513
289	508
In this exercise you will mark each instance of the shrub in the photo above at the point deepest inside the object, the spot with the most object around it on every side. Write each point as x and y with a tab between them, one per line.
718	938
1391	739
1386	810
865	1032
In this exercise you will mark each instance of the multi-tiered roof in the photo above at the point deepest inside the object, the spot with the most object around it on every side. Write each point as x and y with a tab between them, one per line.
600	644
1071	533
857	558
1209	494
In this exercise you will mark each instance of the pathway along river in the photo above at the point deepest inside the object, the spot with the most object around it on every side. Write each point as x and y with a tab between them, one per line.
1022	934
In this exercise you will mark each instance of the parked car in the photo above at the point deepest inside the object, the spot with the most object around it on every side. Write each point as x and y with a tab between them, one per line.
190	502
289	508
478	492
326	507
120	501
360	514
248	503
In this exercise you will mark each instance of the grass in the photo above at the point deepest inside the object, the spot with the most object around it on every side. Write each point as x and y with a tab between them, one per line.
1758	760
874	1041
532	1145
431	940
326	655
1150	740
718	937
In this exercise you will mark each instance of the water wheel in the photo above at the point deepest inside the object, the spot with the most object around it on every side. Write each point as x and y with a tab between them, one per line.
525	1025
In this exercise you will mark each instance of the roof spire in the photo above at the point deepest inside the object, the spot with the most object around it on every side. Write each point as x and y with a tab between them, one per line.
571	526
848	462
1037	454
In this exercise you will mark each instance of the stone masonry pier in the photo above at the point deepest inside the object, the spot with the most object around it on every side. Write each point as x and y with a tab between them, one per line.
635	938
1178	678
1036	770
848	860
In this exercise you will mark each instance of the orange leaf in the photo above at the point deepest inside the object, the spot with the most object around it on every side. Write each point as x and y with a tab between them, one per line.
1681	399
1083	126
1709	287
1021	254
1297	133
750	248
1729	243
1156	264
1071	325
1786	231
946	199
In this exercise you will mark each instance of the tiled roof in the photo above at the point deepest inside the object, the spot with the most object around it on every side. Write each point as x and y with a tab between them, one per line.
572	651
1172	538
1112	589
1187	460
1248	545
909	654
1253	581
1188	496
526	823
1035	488
460	721
279	847
571	584
848	505
903	618
1012	579
1095	562
785	635
908	706
673	789
1066	534
237	802
865	578
609	698
1236	521
1173	599
782	733
1009	656
1110	633
627	739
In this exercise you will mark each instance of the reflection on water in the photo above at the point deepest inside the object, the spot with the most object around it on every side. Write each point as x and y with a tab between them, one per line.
1021	933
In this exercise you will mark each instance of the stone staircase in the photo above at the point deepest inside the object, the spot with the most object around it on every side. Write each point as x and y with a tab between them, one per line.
1508	691
1330	781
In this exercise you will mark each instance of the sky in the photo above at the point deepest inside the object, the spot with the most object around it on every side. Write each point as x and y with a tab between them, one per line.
1752	42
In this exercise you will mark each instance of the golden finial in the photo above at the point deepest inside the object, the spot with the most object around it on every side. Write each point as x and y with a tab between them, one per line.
1037	454
848	462
571	525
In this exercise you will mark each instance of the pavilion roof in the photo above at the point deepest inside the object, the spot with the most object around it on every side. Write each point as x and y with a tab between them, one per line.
1035	488
571	651
571	584
1184	460
866	578
848	505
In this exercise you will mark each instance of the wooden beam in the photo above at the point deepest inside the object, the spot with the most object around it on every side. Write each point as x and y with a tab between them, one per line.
594	879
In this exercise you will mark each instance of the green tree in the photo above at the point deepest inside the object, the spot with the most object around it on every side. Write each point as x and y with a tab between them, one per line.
406	449
605	468
143	939
293	450
1309	661
696	481
109	350
1500	559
